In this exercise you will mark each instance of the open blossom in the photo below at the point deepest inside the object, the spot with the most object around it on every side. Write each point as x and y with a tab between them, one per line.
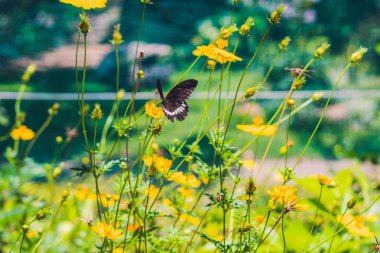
257	128
107	231
187	180
22	133
160	163
153	110
86	4
355	227
213	52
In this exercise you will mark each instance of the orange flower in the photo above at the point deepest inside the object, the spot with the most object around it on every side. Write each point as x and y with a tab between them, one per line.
86	4
213	52
107	231
22	133
355	227
281	192
161	163
257	130
187	180
153	110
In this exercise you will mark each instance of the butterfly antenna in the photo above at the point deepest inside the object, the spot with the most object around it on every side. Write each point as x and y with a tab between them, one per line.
159	88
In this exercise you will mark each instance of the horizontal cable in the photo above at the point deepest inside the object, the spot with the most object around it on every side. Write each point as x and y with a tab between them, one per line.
264	95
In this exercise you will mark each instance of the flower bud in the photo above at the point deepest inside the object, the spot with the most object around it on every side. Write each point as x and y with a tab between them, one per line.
299	82
246	27
123	165
84	23
54	109
117	38
324	180
291	102
250	187
97	113
250	92
65	195
41	215
146	2
58	139
157	128
240	163
29	72
140	74
120	94
317	96
211	64
57	171
283	45
358	54
275	17
25	228
351	203
152	170
321	50
226	32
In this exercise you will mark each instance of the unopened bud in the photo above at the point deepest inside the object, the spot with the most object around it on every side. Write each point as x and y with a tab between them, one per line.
84	23
211	64
351	203
140	74
291	102
246	27
275	17
117	38
321	50
250	187
25	228
283	45
317	96
250	92
30	70
358	54
97	112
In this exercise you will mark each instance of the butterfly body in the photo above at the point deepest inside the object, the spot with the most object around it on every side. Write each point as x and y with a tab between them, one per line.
174	104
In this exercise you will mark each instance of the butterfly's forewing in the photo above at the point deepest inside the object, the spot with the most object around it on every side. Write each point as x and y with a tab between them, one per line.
174	104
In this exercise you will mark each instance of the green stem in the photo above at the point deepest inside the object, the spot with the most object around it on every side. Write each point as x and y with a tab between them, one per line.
76	70
138	42
38	134
117	81
315	217
322	115
336	229
22	242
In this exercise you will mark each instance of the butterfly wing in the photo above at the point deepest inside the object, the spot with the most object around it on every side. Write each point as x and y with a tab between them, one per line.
174	105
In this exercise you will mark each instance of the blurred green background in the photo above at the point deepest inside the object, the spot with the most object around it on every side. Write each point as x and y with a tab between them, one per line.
45	31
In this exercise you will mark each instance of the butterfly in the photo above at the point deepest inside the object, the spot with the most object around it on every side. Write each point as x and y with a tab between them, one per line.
174	104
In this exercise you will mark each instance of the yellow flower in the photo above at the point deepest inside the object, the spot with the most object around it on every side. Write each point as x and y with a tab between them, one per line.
258	130
152	190
291	203
22	133
108	200
259	219
153	110
187	180
221	43
186	193
324	180
281	192
214	53
86	4
119	250
31	234
355	227
190	219
226	32
161	163
107	231
82	192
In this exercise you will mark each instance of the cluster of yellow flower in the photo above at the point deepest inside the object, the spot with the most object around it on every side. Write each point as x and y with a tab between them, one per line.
22	133
258	128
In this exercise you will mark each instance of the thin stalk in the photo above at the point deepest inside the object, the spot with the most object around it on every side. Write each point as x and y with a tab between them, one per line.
306	247
38	134
265	226
283	235
196	230
138	42
270	231
76	70
145	213
322	115
22	242
117	81
336	229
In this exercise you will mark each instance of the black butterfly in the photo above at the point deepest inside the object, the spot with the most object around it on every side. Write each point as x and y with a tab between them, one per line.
174	104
